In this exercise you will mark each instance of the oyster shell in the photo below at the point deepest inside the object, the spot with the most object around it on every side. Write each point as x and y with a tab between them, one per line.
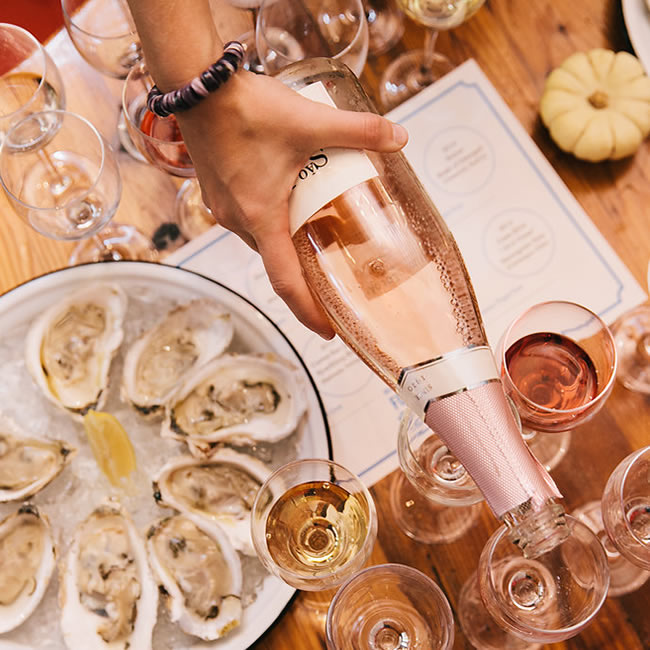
69	348
28	464
236	397
221	488
187	337
200	572
108	596
27	560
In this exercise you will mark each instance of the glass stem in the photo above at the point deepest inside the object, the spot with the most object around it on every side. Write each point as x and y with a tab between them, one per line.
430	39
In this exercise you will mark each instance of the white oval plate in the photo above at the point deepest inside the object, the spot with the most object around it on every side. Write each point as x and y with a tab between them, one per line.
637	21
256	332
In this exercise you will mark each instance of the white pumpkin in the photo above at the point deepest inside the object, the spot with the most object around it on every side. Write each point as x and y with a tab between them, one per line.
596	105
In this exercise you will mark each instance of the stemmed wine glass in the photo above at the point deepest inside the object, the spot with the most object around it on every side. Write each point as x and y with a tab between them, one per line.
313	524
385	25
622	521
62	178
545	598
292	30
160	141
409	73
433	498
30	83
558	364
390	606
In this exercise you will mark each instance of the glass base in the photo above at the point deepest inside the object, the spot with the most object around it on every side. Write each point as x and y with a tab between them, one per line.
624	577
115	242
548	448
480	628
385	26
632	336
406	76
192	215
425	520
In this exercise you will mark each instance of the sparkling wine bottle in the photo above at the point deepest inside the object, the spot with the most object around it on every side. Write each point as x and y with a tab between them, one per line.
380	259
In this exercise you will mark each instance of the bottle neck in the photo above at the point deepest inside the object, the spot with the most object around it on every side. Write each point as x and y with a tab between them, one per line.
536	532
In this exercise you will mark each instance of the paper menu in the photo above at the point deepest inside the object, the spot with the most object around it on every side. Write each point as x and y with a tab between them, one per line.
522	234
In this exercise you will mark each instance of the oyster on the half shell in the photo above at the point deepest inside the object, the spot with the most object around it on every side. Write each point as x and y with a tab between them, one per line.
107	595
28	463
187	337
200	574
70	346
221	488
27	560
236	397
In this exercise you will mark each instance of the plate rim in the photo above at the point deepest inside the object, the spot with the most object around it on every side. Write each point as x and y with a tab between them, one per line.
634	30
37	279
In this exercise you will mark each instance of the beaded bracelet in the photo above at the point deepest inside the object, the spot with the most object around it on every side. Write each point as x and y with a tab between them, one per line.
182	99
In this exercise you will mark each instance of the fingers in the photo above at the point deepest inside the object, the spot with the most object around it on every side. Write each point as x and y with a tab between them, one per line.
283	268
336	128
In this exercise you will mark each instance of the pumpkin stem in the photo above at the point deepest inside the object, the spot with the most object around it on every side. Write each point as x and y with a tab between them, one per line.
599	99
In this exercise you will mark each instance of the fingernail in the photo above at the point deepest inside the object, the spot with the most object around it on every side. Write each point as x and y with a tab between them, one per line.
400	134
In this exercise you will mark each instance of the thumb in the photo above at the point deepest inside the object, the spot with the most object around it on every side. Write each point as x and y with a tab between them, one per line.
338	128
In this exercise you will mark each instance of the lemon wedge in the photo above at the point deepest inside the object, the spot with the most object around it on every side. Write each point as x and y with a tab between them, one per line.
111	445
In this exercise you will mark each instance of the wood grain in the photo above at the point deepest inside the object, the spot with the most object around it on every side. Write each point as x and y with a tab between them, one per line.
516	43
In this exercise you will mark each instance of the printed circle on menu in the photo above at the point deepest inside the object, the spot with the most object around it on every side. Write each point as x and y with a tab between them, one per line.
459	160
518	242
328	362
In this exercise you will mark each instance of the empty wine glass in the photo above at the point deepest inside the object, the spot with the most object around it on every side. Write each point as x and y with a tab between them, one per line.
160	141
558	364
390	606
31	82
632	335
433	498
542	599
313	524
409	73
385	25
62	178
622	521
292	30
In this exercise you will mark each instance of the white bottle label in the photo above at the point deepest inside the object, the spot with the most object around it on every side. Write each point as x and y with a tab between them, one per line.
454	372
328	173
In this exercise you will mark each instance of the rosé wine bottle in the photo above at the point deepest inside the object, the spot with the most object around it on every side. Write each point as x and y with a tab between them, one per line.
379	257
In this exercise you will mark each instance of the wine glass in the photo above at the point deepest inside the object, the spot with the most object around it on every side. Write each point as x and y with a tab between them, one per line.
62	178
433	498
160	141
313	524
390	606
632	335
31	82
409	73
385	25
558	364
292	30
546	598
622	521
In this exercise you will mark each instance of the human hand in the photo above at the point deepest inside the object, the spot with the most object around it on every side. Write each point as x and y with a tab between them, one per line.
248	141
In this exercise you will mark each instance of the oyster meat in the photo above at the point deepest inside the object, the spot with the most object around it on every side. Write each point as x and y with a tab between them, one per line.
27	560
187	337
69	348
108	596
236	397
28	464
200	573
221	488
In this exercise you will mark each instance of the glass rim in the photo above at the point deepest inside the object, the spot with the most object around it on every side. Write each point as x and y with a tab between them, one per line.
630	461
67	17
262	549
558	634
394	568
545	409
340	54
44	57
63	113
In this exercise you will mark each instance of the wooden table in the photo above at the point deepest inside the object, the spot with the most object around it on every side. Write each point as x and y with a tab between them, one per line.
516	43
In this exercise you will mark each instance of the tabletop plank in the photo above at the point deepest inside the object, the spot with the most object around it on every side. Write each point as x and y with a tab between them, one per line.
516	43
